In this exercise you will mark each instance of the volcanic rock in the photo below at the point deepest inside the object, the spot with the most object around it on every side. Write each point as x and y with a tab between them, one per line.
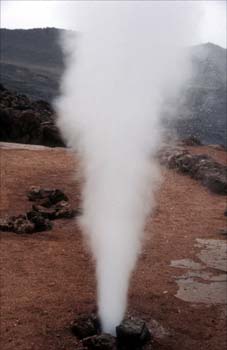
47	213
59	211
132	333
201	167
64	210
24	121
54	206
51	203
86	326
100	342
41	223
30	223
48	196
216	182
22	225
191	141
57	196
17	224
6	225
36	193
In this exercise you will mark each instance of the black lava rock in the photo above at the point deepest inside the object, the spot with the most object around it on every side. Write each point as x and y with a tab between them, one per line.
20	224
45	196
86	326
63	210
56	196
100	342
132	333
36	193
6	225
48	213
192	141
41	223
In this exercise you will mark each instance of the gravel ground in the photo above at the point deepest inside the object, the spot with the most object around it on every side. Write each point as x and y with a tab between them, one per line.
48	278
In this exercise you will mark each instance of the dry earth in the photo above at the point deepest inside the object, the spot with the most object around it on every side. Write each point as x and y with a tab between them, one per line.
47	278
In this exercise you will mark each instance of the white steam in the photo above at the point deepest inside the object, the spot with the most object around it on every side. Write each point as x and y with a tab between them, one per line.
126	58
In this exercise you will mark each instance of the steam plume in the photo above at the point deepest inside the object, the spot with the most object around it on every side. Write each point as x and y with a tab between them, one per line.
126	58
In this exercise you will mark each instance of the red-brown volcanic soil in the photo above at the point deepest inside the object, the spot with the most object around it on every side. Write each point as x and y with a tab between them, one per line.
47	278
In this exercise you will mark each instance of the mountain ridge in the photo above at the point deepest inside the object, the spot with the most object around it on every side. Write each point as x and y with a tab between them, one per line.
32	63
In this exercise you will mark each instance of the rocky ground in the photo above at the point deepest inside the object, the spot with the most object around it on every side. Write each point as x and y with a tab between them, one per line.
47	278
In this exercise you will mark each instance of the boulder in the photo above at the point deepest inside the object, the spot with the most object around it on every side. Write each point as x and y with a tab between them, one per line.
100	342
86	326
191	141
60	210
46	196
30	223
47	213
64	210
132	333
6	225
57	196
216	182
22	225
36	193
41	223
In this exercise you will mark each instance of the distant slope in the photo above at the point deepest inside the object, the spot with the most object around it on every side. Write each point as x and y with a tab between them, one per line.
35	47
31	63
203	111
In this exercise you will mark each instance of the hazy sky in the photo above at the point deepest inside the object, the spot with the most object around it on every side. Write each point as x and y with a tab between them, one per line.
52	13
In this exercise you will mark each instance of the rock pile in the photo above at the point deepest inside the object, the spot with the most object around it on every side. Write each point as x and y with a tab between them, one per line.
25	223
210	173
25	121
49	204
131	334
86	326
191	141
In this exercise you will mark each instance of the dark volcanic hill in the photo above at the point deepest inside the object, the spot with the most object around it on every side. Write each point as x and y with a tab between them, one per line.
31	63
203	111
